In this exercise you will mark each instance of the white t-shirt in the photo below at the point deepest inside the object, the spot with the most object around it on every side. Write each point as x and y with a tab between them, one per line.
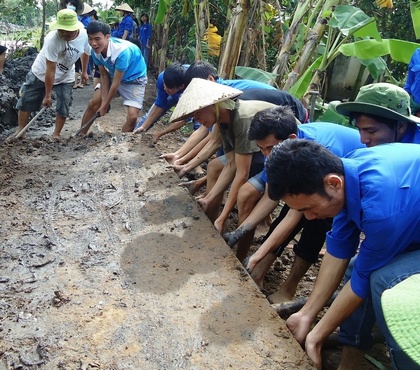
64	53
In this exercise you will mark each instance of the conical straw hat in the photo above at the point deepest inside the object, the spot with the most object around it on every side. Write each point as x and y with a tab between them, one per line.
199	94
125	7
86	9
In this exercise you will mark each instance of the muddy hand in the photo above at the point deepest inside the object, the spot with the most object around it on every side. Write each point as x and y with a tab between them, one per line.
232	237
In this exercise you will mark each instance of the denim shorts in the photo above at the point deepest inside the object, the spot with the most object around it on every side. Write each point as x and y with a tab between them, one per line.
32	93
257	182
257	165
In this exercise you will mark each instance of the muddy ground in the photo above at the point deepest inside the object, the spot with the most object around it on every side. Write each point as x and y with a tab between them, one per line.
106	263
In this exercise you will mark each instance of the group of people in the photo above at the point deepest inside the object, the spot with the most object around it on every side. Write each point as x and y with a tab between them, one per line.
335	182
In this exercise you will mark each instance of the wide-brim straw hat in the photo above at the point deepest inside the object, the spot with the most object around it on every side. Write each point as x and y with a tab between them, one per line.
199	94
86	9
382	100
401	308
125	7
66	21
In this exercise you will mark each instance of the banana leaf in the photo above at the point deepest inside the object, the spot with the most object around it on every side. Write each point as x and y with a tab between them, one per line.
399	50
162	7
256	74
299	88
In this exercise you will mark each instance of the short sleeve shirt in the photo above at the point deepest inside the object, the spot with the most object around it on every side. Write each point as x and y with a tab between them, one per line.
235	134
123	56
63	53
383	201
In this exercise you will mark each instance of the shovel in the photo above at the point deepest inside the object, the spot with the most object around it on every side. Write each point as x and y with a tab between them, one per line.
87	124
21	132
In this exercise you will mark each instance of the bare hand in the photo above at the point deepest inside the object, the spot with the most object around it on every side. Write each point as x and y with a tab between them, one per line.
103	109
47	101
203	202
299	326
218	224
139	130
85	78
313	349
250	263
233	237
170	157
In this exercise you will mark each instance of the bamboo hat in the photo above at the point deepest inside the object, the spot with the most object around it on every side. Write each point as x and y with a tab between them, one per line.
66	21
125	7
382	100
199	94
86	9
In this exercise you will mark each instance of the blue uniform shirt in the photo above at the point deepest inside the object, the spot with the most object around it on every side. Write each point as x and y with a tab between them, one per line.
338	139
163	99
123	56
412	85
126	24
382	187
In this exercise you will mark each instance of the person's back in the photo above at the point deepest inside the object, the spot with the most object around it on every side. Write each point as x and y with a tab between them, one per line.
340	140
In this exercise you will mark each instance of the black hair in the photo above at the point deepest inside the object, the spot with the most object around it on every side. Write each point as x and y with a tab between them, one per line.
299	166
200	69
278	121
391	123
98	26
135	41
147	18
174	76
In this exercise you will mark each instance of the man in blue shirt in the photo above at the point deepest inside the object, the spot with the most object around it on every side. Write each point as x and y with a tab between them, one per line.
375	191
170	85
122	69
269	128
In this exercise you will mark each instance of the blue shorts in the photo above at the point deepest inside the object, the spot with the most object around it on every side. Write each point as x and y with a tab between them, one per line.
257	182
32	94
257	164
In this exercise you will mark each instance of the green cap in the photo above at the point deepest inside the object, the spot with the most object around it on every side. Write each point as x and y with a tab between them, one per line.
401	308
382	100
66	21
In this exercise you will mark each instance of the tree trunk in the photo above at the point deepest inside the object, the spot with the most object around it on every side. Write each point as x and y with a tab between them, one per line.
233	44
201	11
44	20
164	46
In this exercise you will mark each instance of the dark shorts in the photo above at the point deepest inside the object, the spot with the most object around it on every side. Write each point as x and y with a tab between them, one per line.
257	164
32	93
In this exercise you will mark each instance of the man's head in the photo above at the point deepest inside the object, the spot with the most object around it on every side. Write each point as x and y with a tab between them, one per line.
202	99
200	69
381	112
67	24
98	35
173	78
307	176
271	126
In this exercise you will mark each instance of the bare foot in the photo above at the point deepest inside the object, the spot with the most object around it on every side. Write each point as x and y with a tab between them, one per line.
280	296
192	186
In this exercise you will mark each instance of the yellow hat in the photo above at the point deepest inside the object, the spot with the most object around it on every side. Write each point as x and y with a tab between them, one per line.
66	21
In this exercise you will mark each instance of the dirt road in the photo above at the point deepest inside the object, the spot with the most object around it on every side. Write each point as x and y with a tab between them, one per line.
106	263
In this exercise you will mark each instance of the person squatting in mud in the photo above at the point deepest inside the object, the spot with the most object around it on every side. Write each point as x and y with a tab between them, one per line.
53	69
122	68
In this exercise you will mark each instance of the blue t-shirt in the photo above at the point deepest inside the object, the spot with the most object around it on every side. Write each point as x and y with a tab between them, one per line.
338	139
126	24
412	86
145	33
412	135
85	19
382	187
245	84
123	56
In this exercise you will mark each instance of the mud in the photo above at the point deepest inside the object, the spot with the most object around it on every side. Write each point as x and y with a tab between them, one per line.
107	264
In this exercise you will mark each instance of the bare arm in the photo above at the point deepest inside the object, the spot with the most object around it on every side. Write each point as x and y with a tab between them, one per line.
154	114
84	59
343	306
329	277
108	95
277	237
243	165
49	82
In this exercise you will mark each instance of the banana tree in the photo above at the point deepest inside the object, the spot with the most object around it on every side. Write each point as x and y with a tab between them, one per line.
348	23
231	48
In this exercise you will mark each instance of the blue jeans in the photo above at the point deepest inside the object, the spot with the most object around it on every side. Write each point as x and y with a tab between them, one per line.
356	331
